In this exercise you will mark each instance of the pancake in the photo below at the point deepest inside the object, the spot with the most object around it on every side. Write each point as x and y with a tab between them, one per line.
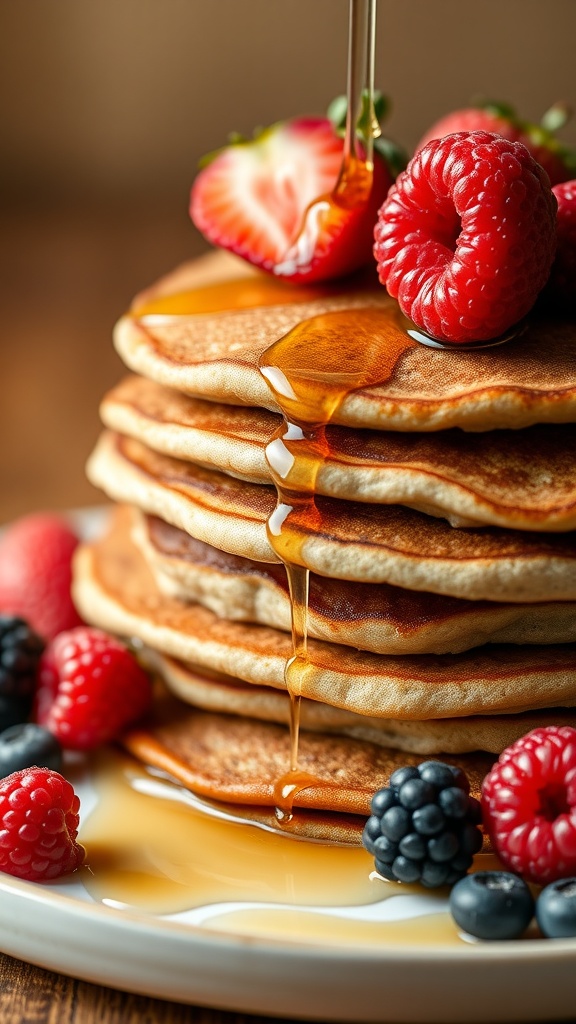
238	760
114	589
214	354
222	694
373	617
351	540
518	479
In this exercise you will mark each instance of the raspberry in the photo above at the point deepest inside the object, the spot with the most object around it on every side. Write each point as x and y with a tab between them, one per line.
529	805
423	825
90	687
38	825
562	284
36	573
466	238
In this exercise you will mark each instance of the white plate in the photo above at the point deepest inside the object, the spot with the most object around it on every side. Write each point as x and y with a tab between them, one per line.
60	927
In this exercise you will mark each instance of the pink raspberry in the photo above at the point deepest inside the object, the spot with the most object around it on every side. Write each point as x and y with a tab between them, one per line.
38	825
90	687
36	573
466	238
529	805
562	285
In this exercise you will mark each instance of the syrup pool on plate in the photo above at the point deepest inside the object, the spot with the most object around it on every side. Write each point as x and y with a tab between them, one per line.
154	847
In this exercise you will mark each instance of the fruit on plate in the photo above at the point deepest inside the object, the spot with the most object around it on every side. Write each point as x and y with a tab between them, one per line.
28	745
36	572
279	201
90	687
562	284
557	159
529	805
466	237
492	905
38	825
423	825
20	652
556	909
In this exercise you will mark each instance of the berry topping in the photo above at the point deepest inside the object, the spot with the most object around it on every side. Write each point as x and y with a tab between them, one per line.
558	160
28	745
36	573
271	200
38	825
466	237
423	825
556	909
90	687
20	650
529	805
562	284
492	905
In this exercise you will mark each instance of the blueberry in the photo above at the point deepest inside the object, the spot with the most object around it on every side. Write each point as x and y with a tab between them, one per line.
492	905
26	745
556	909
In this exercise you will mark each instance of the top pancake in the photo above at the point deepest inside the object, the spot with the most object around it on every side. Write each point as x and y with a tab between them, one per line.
214	354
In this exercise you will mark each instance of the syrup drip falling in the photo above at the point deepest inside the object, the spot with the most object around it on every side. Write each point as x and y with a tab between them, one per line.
352	190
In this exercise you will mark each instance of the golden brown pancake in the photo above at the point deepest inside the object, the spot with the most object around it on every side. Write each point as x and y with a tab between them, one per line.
351	540
115	590
519	479
370	616
238	760
220	693
214	355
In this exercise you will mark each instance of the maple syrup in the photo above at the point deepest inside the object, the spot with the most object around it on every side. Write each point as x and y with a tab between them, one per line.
234	294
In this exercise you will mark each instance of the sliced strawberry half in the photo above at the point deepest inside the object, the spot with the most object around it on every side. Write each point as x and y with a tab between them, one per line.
272	200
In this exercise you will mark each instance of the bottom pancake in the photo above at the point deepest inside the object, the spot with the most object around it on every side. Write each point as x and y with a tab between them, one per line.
489	733
238	760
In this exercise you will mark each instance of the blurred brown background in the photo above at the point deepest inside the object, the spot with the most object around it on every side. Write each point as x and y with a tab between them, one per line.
106	107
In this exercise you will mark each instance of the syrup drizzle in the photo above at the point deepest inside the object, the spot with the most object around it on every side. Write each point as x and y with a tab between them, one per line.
310	371
352	190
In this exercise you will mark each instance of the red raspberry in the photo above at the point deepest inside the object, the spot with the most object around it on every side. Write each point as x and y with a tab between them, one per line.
466	238
529	805
90	687
38	825
562	284
36	573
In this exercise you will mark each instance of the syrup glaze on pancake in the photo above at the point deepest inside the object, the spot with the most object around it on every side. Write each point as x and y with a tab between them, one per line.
492	733
351	540
518	479
236	759
373	617
115	590
531	379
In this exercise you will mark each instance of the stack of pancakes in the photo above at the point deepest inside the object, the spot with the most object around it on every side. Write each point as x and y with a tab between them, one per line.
443	559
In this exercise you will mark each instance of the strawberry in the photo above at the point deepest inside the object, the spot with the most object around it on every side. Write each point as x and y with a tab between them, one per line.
36	572
280	202
558	160
561	287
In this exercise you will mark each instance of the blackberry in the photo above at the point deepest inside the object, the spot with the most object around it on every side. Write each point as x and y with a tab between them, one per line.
424	825
20	651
